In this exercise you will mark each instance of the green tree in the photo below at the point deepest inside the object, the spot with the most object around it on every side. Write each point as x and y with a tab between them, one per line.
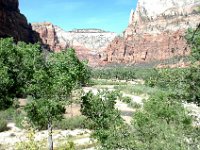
192	78
51	86
17	63
162	124
101	110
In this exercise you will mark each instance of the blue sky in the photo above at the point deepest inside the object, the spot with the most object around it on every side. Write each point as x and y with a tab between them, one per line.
110	15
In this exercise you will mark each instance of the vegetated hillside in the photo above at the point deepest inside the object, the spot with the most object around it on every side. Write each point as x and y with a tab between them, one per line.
155	32
89	43
14	24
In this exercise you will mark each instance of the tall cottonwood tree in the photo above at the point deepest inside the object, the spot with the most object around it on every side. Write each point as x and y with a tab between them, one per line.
51	86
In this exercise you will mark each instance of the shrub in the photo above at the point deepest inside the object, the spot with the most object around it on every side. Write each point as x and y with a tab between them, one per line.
126	99
162	124
135	105
80	122
19	118
101	110
68	146
7	114
30	144
3	125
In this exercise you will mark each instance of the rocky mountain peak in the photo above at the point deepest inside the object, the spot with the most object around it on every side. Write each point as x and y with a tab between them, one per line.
14	24
88	43
9	5
155	8
155	32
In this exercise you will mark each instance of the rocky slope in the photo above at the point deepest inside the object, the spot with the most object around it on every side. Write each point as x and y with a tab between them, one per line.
14	24
88	43
155	32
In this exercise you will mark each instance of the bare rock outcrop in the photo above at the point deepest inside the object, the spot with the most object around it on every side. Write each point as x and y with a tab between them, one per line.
14	24
155	32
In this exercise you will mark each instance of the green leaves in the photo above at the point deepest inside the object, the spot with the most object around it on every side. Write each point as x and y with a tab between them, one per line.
162	124
193	38
192	78
41	111
52	84
100	109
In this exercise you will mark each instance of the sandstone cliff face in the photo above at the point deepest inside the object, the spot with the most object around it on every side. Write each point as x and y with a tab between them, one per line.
155	32
14	24
88	43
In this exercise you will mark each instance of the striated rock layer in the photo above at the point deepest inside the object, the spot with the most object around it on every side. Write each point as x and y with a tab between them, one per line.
14	24
155	32
88	43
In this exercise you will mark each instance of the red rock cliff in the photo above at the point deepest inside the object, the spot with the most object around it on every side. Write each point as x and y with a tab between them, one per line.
156	32
14	24
88	43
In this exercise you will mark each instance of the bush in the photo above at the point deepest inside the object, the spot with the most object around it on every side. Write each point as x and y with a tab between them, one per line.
3	125
7	114
100	108
19	118
135	105
30	144
121	73
137	89
126	99
80	122
162	124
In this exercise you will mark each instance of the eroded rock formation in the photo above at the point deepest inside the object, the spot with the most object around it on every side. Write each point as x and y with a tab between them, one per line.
88	43
14	24
155	32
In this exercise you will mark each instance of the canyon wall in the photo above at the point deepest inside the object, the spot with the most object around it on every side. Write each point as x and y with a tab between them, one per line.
14	24
88	43
155	32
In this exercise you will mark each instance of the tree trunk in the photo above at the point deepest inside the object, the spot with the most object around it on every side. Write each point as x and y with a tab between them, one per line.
50	140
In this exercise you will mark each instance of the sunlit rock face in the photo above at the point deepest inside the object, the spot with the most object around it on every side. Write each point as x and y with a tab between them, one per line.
155	32
14	24
88	43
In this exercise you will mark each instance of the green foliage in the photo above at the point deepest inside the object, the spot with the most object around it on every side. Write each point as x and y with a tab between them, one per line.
126	99
40	111
98	82
137	89
52	85
78	122
17	64
119	137
3	125
30	144
7	114
135	105
68	146
193	38
19	118
104	114
122	73
191	91
191	85
162	124
166	78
